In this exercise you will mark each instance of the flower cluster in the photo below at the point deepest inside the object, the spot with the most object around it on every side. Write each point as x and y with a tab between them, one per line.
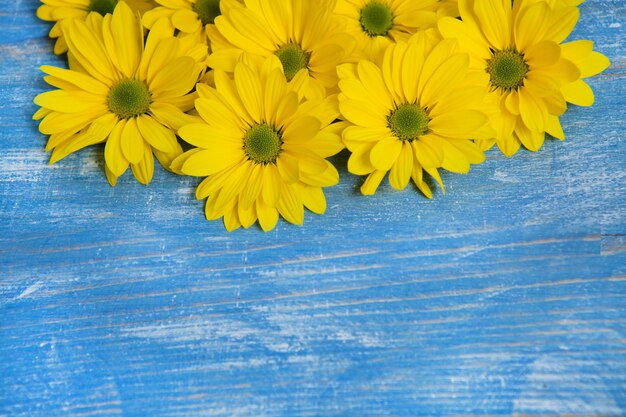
255	95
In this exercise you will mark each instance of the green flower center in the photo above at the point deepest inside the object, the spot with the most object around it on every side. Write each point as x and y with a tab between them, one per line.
129	98
262	143
207	10
408	122
293	59
507	69
376	19
102	7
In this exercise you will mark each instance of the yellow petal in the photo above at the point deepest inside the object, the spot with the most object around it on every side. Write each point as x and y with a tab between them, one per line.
385	153
313	199
372	79
288	168
458	124
157	135
128	39
428	151
530	25
290	205
249	89
80	80
553	127
209	137
444	79
494	20
87	49
132	142
247	217
359	162
562	22
175	79
302	129
144	170
268	216
186	20
233	186
272	184
542	54
531	111
372	182
70	101
361	113
401	170
578	93
207	162
531	140
453	159
113	155
252	189
327	178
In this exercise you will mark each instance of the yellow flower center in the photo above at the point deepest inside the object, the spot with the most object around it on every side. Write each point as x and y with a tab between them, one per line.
507	70
207	10
408	122
262	143
129	98
376	19
102	7
293	59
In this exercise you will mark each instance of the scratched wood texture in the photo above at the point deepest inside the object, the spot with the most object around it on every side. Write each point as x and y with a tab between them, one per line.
506	295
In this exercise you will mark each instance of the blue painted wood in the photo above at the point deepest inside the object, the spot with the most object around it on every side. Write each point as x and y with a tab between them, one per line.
505	295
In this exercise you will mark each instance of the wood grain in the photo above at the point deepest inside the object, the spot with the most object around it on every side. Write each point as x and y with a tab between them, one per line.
506	295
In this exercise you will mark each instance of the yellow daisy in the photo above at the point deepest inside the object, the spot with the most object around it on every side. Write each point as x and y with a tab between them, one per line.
119	91
60	10
375	24
261	148
303	34
531	75
416	111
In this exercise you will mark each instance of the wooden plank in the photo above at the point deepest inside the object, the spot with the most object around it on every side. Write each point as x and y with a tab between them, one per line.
506	295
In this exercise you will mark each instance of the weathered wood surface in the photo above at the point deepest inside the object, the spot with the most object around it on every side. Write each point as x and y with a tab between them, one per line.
505	295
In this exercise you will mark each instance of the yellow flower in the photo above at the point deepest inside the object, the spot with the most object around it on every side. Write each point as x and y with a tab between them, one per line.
303	34
262	149
531	74
375	24
416	111
60	10
119	91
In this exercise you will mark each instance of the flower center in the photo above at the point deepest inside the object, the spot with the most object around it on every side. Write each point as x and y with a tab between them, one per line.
376	19
207	10
102	7
408	122
293	59
507	69
129	98
262	143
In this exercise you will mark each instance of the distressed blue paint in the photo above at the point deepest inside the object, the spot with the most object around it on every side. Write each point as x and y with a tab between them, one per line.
505	295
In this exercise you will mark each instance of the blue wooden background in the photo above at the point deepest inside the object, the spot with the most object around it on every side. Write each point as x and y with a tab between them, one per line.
505	295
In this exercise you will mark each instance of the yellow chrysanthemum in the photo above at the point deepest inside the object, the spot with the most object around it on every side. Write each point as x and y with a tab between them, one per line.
375	24
531	74
262	149
188	16
416	111
303	34
119	91
60	10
